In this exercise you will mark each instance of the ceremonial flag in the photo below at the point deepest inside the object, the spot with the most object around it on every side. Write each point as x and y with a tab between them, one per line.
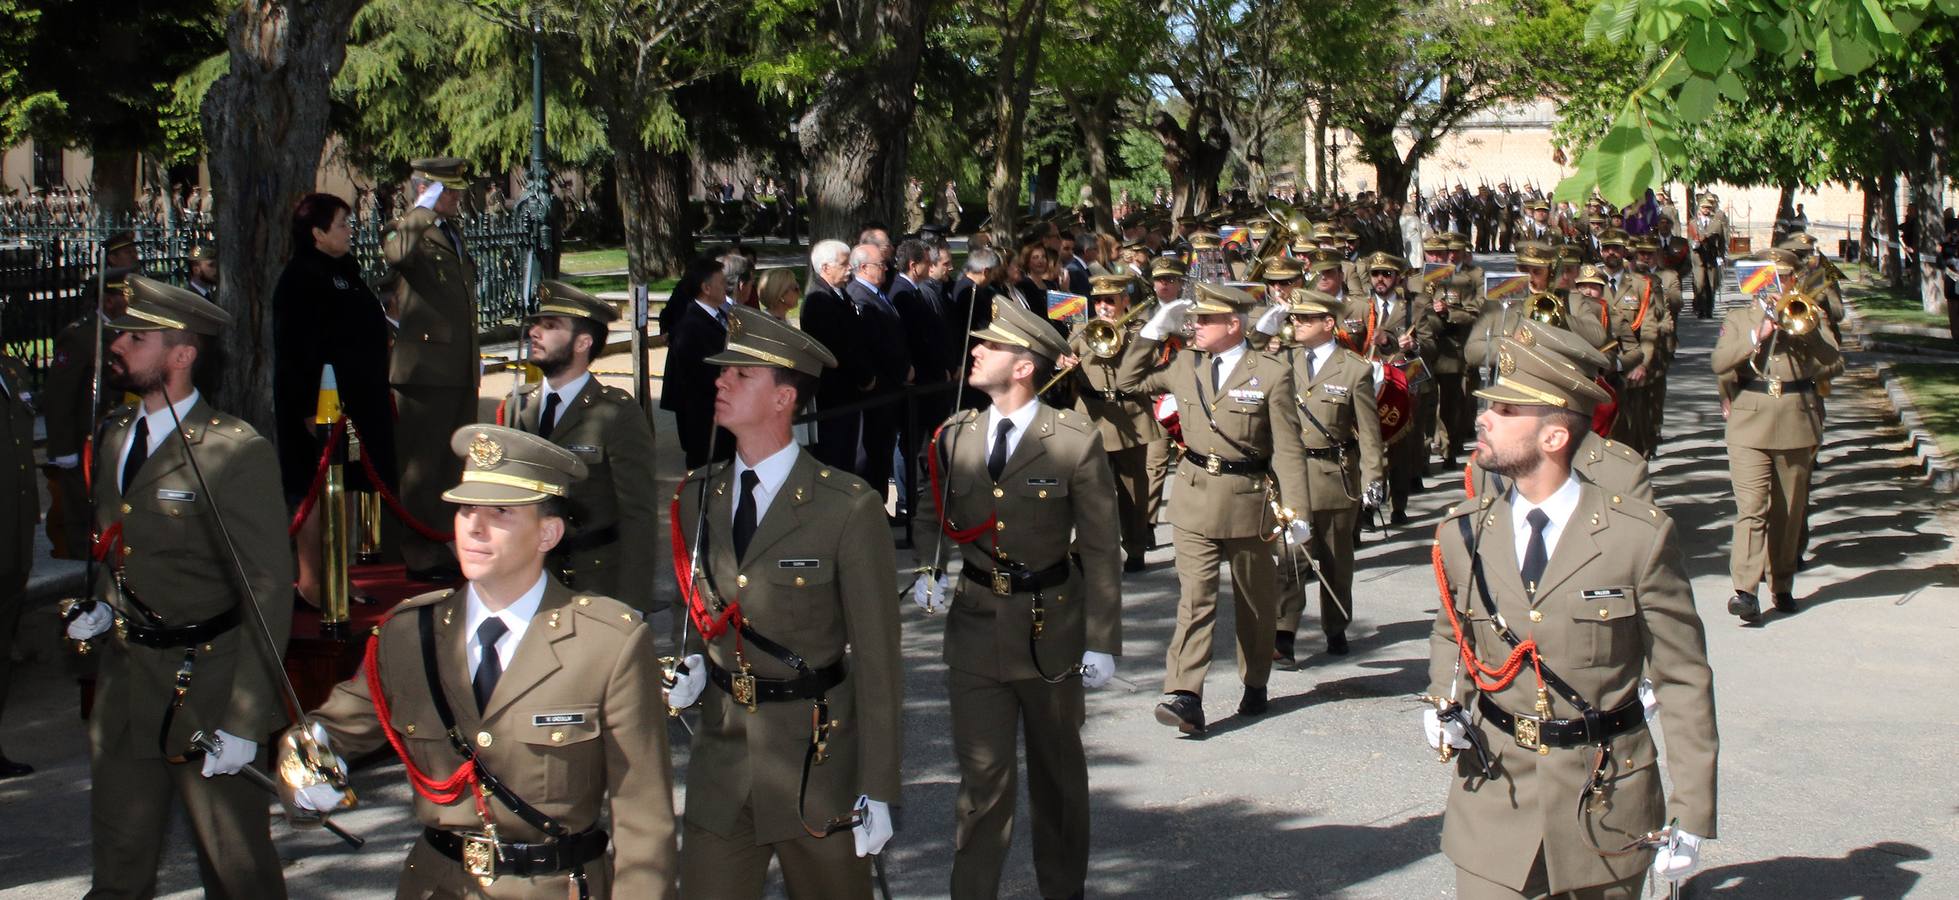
1755	275
1437	271
1066	307
1234	236
1505	285
1256	289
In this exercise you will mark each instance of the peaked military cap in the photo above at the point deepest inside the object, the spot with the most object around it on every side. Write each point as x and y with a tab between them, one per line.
1309	302
1214	299
506	467
556	298
1536	253
1168	267
449	170
205	250
1592	275
1325	261
1103	285
1281	269
1562	341
1018	326
1383	261
1613	237
756	338
156	306
1528	376
1205	240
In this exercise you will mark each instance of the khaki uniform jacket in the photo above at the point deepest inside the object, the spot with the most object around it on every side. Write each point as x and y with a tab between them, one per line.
1341	398
1589	319
65	394
174	560
1056	495
1252	416
1613	606
1758	420
1666	286
606	429
1127	419
1614	467
1416	318
577	725
1638	344
1495	320
436	341
1463	294
18	484
817	579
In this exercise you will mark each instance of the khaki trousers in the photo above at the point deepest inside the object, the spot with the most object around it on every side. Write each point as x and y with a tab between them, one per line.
1456	414
1255	598
1536	887
129	816
1162	457
1771	499
1132	471
1332	546
427	416
733	866
986	720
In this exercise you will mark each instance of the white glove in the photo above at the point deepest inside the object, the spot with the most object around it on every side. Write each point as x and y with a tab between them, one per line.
1169	318
873	829
1166	407
429	195
92	623
1376	494
930	593
1273	320
1679	856
1097	668
318	798
234	753
1434	729
690	678
1299	531
1648	699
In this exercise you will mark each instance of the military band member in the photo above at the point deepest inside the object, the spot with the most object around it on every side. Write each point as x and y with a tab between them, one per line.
1708	233
23	497
185	655
433	366
1399	332
1599	460
613	511
1128	424
1169	278
1028	487
796	756
1240	433
1557	789
553	693
1768	377
1340	433
1666	286
1456	302
71	407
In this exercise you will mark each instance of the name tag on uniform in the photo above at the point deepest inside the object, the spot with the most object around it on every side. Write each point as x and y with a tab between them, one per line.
1043	482
582	448
1604	594
185	496
565	718
1334	390
1243	395
798	563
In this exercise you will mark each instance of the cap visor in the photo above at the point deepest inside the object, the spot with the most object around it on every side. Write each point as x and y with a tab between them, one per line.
476	493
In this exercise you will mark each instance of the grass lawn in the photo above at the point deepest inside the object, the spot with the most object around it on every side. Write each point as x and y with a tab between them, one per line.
1934	390
603	259
1920	341
1883	305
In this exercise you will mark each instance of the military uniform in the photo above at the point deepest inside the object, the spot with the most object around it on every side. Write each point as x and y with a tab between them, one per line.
70	406
1023	614
1408	453
1130	432
615	507
1607	463
572	726
1605	598
1667	297
1462	297
1709	232
434	366
815	581
174	587
1340	432
17	485
1775	424
1238	436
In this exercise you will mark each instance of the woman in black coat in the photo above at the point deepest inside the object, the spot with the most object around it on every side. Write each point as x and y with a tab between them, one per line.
324	314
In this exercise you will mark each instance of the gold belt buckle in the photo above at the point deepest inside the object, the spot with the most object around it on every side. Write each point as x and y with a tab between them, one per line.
1527	733
1214	464
744	688
1775	387
480	858
1003	583
1040	622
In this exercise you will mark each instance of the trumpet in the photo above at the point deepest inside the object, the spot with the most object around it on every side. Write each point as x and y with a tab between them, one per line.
1104	339
1796	314
1548	308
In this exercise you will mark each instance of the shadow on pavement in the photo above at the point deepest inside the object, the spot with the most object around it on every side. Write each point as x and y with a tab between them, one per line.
1872	873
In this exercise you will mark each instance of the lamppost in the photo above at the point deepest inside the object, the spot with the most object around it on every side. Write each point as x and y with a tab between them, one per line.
537	186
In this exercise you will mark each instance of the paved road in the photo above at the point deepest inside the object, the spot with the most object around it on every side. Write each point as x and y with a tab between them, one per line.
1838	722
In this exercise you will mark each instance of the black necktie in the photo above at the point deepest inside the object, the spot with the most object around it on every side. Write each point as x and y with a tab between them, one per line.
139	450
491	666
745	513
1217	374
996	462
1535	556
1312	364
548	419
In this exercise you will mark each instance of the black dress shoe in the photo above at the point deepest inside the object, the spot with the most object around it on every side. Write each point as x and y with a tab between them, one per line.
1253	703
1183	711
1745	605
11	769
1133	564
1785	603
1399	517
1282	652
1336	644
444	574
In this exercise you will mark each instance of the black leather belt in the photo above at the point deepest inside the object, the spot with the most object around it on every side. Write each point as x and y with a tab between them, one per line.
772	690
587	539
190	635
1776	388
1333	453
517	858
1535	732
1218	465
1005	581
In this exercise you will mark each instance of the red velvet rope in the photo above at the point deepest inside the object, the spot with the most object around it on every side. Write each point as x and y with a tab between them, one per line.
374	478
319	477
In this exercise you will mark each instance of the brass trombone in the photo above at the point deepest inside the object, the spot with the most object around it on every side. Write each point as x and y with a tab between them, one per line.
1796	314
1104	339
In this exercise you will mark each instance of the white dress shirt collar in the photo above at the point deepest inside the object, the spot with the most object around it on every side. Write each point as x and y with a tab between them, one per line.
1231	358
1558	507
567	393
770	472
1022	419
516	617
1321	355
160	424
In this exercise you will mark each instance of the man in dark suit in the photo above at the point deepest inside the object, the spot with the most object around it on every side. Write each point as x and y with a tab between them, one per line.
914	293
1072	263
700	330
830	318
883	334
971	309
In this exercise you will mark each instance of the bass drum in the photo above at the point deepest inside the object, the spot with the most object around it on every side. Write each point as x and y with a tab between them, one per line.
1396	402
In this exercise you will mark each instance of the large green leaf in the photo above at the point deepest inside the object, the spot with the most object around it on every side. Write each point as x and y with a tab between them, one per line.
1625	162
1707	48
1696	98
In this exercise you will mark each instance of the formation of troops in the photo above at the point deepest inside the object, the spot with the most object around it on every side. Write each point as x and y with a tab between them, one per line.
1266	400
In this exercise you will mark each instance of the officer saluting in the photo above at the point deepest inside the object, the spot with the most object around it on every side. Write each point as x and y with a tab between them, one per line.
185	657
551	698
614	509
1561	597
800	737
1026	485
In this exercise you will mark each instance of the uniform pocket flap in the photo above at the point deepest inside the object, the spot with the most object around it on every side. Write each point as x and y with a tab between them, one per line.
1605	604
800	571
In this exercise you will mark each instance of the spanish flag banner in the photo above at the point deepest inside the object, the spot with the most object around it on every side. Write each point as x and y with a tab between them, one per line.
1437	271
1066	307
1756	275
1505	285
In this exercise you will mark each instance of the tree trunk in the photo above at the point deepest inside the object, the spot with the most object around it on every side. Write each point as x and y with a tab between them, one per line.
266	120
1092	120
855	136
1928	193
1319	153
1785	209
114	180
1866	234
1392	175
652	191
1013	82
1893	263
